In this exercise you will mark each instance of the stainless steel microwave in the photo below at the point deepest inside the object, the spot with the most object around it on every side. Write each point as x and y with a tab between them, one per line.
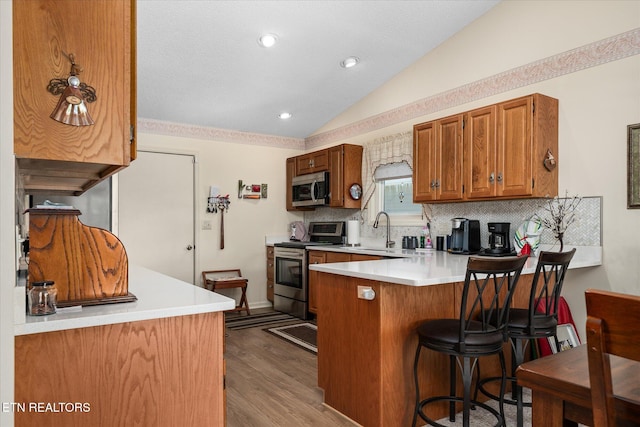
311	189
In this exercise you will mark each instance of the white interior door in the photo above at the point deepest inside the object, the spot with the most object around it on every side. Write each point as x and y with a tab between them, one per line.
156	213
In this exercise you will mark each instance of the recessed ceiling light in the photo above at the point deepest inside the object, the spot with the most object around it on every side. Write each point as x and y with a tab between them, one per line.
284	116
267	40
349	62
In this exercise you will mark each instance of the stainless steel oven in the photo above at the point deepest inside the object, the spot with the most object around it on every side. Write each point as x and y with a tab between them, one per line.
290	285
291	288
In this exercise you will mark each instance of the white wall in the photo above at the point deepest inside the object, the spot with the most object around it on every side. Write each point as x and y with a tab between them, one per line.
596	105
7	216
248	221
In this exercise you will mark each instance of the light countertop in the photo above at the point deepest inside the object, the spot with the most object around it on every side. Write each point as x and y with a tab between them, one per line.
158	296
432	267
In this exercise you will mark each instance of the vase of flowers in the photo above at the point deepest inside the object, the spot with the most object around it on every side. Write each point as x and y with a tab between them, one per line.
560	213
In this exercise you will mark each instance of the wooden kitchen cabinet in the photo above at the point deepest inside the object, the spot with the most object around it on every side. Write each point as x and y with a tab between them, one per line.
53	157
344	164
505	148
345	169
318	161
323	257
314	257
480	153
437	160
160	372
502	156
270	273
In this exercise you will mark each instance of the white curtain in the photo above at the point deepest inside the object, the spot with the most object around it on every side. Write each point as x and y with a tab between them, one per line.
390	149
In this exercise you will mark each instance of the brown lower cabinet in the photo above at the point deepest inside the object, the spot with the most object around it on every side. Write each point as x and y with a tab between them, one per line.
322	257
157	372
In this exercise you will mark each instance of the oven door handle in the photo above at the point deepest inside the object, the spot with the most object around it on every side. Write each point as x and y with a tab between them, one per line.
283	253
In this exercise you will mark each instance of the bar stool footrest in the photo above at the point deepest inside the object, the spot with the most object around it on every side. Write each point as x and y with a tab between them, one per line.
474	405
496	398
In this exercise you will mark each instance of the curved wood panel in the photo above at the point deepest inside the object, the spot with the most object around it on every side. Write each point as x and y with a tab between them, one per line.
86	263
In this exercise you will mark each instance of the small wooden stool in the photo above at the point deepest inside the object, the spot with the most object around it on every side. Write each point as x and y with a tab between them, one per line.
214	280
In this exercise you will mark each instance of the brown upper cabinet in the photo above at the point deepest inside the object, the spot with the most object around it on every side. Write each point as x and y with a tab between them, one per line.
345	169
437	160
53	157
510	151
344	164
317	161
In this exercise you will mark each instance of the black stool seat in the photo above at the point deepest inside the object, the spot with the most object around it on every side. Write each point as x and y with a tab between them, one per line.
488	288
539	327
442	335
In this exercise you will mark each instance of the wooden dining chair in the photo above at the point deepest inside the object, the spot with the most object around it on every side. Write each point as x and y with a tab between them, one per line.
613	321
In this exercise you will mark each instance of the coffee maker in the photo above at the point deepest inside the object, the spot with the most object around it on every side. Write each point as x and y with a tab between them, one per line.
499	241
465	236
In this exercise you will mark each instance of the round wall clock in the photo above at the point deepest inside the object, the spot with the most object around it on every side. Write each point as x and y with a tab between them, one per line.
355	191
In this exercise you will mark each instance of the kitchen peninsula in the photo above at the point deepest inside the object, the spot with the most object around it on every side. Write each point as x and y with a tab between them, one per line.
366	347
156	361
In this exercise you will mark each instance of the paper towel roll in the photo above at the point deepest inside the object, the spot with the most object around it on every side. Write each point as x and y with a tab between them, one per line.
353	233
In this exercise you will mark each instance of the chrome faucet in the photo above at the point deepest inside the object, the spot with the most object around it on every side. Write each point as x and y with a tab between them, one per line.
389	243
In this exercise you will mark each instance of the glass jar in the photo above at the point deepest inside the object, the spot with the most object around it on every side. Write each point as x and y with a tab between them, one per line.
42	298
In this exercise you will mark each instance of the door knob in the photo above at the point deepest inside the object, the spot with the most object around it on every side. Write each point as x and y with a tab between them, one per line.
189	247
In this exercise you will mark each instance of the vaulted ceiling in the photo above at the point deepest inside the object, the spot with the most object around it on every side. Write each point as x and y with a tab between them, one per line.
199	62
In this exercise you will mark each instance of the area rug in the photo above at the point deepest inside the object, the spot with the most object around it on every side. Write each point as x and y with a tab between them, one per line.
235	322
304	335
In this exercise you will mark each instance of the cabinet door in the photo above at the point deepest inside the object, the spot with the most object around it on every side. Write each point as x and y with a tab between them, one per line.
336	176
449	158
424	154
317	161
315	257
514	149
480	153
345	169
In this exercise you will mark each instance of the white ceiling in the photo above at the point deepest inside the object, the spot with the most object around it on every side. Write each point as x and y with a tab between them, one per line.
199	62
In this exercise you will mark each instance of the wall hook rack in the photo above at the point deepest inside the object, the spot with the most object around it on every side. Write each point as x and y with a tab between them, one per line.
218	203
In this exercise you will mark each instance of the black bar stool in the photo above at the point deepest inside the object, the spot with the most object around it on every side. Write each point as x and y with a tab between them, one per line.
539	320
488	288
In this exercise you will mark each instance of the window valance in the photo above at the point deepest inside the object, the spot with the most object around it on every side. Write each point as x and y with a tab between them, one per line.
390	149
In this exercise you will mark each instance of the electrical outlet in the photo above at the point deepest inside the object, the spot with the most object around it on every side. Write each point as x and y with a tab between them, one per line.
206	224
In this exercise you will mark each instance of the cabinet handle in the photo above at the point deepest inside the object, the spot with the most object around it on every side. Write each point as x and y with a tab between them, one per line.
437	183
500	177
433	184
311	163
492	178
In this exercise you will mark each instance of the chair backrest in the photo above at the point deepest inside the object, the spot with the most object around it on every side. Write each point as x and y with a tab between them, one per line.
612	328
547	285
486	297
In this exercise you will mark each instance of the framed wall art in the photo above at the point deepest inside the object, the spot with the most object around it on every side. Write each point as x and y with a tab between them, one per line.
633	166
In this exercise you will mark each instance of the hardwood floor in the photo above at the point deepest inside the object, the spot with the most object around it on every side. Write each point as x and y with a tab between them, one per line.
273	383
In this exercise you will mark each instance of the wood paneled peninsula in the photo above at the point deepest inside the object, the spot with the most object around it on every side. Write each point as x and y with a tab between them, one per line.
366	347
156	361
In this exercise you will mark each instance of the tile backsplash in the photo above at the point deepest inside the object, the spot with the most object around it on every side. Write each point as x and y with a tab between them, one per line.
585	231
